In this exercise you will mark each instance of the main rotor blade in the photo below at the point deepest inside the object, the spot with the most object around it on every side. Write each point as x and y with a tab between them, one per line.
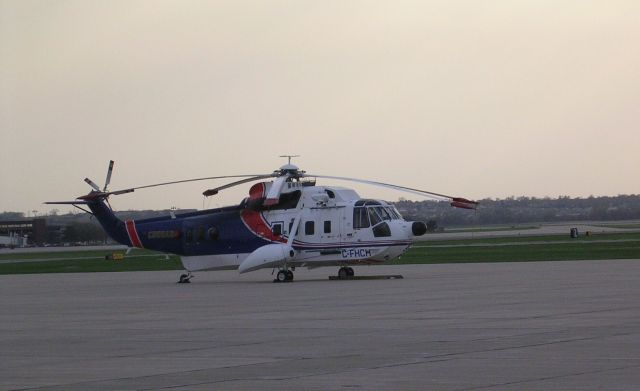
130	190
397	187
108	180
215	190
199	179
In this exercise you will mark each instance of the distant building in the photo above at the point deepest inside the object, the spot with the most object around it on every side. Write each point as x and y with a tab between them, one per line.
14	240
16	233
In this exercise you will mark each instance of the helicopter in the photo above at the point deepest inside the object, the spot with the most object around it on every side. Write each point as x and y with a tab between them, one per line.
286	222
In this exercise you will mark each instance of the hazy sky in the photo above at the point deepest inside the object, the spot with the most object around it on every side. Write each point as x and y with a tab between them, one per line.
469	98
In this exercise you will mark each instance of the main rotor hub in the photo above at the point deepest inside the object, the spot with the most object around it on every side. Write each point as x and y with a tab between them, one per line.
290	169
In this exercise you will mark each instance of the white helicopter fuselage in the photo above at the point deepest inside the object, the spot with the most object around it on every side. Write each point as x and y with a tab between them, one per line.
286	223
319	226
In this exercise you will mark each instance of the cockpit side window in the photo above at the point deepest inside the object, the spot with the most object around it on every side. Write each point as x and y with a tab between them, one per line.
381	230
360	218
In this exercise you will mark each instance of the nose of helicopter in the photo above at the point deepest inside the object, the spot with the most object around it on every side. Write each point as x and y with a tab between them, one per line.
412	229
418	228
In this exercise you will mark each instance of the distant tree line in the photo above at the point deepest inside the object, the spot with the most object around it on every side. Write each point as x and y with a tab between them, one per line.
82	227
520	210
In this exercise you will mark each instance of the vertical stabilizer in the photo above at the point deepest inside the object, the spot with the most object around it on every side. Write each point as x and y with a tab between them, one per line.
113	226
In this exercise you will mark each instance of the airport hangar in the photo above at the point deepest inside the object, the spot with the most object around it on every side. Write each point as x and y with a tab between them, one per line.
35	230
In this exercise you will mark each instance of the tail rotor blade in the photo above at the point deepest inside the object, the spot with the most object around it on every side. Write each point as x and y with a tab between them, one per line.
92	184
108	180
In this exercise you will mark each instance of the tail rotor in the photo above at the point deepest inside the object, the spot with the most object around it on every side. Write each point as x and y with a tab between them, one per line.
101	193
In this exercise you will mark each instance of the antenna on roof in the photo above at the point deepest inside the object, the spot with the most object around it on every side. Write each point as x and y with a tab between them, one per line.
289	156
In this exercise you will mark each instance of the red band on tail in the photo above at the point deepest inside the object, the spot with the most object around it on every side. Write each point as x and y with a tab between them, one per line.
133	234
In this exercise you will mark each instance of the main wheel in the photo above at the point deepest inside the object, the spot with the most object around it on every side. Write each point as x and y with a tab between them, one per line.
289	275
350	272
282	276
343	273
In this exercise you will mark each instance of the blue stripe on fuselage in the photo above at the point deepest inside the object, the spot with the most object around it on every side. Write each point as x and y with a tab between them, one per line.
233	236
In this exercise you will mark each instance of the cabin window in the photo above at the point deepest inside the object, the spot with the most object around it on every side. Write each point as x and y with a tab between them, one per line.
309	228
213	233
360	218
277	229
201	232
327	227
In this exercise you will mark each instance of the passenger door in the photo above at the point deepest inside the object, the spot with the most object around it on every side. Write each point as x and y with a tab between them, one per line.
324	225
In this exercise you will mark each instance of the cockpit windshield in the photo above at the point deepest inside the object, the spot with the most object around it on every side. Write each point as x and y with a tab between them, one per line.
395	212
383	212
368	216
373	216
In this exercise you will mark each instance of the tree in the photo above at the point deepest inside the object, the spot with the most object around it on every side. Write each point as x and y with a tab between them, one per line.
83	232
432	225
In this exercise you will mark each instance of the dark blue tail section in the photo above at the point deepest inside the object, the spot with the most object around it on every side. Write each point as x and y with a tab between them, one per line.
113	226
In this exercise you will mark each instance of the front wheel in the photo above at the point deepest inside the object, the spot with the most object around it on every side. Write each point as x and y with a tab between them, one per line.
282	276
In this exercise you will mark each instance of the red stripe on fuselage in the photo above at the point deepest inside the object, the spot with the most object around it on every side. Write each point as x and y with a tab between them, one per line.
133	234
254	220
257	224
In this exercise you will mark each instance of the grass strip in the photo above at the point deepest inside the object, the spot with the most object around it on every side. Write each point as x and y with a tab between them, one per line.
523	253
524	238
143	260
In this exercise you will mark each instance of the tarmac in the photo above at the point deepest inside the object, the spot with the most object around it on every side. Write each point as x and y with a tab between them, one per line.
491	326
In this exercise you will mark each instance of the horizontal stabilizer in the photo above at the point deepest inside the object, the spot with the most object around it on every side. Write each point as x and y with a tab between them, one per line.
67	202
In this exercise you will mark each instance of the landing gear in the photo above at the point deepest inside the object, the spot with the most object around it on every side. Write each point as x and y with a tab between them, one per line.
284	276
185	278
345	273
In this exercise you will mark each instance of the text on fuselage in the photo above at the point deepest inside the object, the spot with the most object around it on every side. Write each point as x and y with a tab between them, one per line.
358	253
